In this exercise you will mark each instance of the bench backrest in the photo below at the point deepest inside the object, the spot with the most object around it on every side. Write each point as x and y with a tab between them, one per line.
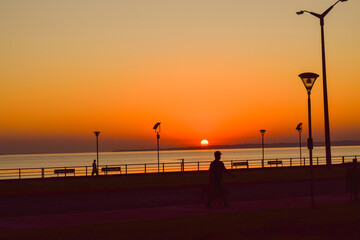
240	163
104	169
274	162
70	170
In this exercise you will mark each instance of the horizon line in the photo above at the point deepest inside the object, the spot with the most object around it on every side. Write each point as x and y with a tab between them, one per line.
227	146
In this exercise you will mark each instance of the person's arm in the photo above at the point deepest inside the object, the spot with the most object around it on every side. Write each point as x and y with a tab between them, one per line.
225	170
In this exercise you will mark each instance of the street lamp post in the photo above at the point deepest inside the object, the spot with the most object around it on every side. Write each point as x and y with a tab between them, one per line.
309	79
157	131
262	145
299	129
97	148
326	111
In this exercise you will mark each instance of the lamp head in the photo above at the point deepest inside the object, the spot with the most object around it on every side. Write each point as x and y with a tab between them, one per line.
300	12
96	133
343	0
308	79
299	127
156	126
262	131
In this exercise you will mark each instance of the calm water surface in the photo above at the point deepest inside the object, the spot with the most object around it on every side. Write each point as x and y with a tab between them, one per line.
116	158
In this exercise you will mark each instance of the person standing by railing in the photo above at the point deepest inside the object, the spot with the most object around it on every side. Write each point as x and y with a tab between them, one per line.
94	169
353	178
217	168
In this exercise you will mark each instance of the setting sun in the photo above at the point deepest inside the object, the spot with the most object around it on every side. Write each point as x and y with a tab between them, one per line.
204	142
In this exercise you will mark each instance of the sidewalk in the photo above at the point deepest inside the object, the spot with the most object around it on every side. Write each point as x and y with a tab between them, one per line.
103	217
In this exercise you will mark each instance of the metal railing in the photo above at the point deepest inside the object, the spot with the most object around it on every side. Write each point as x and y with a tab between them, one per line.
180	166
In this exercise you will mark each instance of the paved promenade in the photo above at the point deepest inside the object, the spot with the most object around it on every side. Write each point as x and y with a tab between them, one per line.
124	215
29	212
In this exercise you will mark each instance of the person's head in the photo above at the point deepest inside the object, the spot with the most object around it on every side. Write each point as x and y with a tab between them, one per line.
217	155
94	160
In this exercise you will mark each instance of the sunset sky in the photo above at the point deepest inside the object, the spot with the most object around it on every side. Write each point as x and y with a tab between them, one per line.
207	69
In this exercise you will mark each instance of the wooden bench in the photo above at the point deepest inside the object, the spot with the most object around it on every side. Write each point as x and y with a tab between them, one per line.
111	169
275	162
239	164
64	171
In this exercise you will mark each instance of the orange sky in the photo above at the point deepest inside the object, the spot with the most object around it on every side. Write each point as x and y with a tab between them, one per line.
215	70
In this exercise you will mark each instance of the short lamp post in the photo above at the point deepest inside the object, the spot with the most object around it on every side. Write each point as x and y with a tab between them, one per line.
97	148
309	79
262	146
157	131
299	129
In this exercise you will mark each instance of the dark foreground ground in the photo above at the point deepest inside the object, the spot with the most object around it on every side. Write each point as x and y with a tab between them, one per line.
265	204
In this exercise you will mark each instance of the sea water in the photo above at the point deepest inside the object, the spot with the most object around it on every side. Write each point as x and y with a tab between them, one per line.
150	157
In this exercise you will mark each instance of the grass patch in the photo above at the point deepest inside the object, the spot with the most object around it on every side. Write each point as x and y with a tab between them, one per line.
340	221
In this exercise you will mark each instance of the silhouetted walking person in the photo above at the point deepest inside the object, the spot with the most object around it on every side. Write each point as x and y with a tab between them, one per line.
94	169
217	168
353	177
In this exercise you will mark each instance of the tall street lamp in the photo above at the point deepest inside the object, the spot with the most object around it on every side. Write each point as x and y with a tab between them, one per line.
299	129
309	79
97	148
326	111
157	131
262	145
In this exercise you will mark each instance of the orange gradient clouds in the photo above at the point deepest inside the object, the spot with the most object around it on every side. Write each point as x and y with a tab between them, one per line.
215	69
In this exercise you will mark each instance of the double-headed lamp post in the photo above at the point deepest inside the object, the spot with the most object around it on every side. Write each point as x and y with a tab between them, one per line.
157	131
262	146
97	148
326	111
309	79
